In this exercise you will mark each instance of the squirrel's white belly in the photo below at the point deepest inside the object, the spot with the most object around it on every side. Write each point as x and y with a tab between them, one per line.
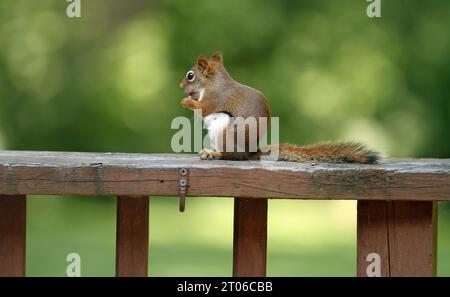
216	123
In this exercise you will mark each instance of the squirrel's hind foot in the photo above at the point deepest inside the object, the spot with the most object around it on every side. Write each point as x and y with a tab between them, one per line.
206	154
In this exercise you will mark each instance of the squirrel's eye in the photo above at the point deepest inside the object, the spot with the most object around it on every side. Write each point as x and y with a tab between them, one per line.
190	76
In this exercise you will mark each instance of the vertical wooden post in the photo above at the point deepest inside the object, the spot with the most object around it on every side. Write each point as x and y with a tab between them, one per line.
250	237
372	236
12	235
132	236
402	233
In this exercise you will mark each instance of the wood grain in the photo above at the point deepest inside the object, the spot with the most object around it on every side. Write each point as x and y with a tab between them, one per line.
372	235
12	235
250	237
26	173
132	236
403	233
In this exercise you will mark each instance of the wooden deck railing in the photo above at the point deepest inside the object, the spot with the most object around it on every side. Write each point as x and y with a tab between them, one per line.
396	202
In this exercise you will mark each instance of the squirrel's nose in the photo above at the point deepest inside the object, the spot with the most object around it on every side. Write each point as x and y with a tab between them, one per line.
181	84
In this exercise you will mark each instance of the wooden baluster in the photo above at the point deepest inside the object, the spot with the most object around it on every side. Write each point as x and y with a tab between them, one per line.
132	236
12	235
250	237
402	233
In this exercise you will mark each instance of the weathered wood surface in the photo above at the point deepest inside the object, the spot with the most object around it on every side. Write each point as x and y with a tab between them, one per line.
402	233
116	174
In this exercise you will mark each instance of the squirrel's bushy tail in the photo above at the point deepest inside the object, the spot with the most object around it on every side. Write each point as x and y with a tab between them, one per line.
345	152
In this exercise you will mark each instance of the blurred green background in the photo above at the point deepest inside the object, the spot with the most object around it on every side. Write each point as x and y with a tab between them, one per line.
109	82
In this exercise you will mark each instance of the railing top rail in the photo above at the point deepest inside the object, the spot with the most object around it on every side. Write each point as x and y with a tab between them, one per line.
65	173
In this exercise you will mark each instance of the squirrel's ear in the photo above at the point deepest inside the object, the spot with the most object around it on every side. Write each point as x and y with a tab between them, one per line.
202	62
218	57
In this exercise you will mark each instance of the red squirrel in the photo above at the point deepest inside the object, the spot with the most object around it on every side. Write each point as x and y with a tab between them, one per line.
221	99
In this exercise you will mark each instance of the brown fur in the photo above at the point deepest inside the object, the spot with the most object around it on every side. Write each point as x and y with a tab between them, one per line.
223	94
346	152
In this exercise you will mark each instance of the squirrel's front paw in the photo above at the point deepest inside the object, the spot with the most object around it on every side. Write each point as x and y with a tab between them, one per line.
206	154
189	103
